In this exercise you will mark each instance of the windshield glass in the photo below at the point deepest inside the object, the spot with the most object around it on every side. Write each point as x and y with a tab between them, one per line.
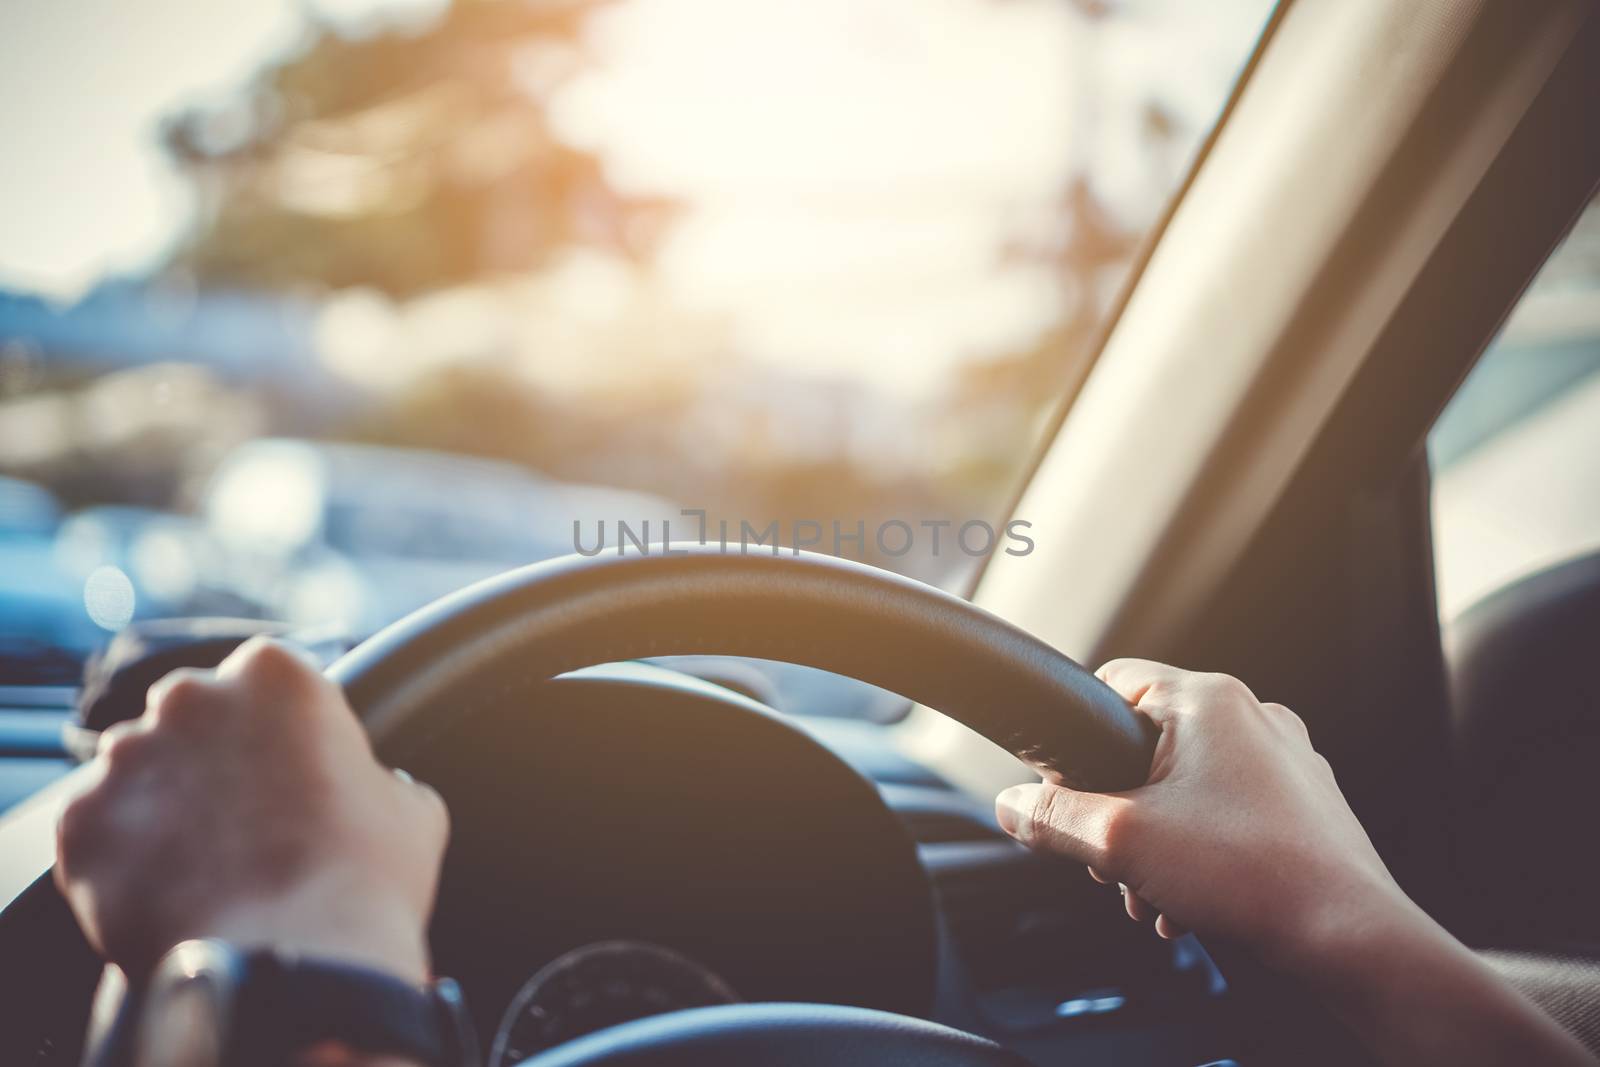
315	310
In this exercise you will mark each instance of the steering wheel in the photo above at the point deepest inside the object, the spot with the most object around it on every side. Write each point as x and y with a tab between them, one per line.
545	620
854	620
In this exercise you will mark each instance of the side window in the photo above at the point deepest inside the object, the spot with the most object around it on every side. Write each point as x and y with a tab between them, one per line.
1516	455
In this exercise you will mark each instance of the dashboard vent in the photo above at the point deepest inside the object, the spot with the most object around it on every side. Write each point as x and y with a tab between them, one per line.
938	815
945	827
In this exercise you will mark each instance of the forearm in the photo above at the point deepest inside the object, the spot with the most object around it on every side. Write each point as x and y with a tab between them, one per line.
1415	994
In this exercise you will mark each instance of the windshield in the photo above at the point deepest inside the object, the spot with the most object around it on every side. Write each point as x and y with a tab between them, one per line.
315	310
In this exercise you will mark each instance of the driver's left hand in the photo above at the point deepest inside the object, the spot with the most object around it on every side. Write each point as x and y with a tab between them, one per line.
246	804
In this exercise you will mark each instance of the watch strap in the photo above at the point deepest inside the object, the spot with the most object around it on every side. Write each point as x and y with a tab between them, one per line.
286	1003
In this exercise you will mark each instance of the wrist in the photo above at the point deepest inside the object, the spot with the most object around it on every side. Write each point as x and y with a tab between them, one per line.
1360	938
362	929
210	1001
1413	993
1345	929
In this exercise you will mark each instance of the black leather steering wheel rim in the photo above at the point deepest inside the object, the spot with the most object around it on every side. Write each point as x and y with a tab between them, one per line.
547	619
778	1035
551	618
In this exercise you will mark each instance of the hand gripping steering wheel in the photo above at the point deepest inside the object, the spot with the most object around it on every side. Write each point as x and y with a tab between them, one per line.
550	618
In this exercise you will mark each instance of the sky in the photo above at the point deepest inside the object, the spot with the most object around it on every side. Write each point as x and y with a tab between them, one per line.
84	188
860	172
855	171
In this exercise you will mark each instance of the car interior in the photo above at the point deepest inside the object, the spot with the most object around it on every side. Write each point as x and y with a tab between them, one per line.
1238	481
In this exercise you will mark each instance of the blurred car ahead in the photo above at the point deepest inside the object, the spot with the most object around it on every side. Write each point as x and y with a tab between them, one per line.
355	536
45	628
171	561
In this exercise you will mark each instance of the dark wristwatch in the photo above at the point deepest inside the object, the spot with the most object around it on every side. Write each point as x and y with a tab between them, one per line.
209	1004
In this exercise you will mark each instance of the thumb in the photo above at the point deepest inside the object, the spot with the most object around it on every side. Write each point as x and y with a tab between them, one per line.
1053	818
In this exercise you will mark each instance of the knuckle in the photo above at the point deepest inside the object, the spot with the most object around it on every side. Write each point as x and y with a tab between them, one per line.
1217	697
1121	824
123	744
184	702
1114	666
422	803
1113	852
269	665
180	692
1162	692
262	654
1287	716
1227	686
441	822
79	828
434	807
1138	680
269	660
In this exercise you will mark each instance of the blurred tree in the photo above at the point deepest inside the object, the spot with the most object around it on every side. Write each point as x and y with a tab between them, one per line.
404	160
1001	406
417	160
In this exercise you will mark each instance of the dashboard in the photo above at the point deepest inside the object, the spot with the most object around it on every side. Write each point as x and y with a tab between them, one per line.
629	840
596	986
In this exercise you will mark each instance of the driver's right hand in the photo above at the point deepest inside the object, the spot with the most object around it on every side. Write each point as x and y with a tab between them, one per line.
1240	832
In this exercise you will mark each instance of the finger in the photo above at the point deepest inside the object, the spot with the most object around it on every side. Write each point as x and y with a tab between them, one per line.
1168	929
1102	878
1146	685
115	734
1053	818
177	682
274	650
271	667
1138	909
1133	678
